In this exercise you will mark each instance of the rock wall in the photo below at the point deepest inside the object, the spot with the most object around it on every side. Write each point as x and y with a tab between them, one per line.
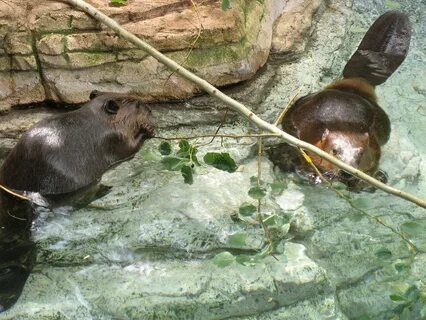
50	51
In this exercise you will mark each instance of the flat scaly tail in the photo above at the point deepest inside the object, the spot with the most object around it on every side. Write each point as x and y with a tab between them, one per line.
381	51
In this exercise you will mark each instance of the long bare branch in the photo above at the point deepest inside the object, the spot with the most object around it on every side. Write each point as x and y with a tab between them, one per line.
237	106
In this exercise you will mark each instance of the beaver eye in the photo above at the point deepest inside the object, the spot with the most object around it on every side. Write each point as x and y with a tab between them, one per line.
111	107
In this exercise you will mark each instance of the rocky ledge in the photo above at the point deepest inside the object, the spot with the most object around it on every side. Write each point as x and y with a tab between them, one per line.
50	51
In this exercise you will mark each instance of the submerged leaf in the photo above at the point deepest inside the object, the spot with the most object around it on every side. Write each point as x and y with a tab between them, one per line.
384	253
237	239
225	4
173	163
221	161
247	209
412	228
278	187
223	259
397	297
187	174
257	193
165	148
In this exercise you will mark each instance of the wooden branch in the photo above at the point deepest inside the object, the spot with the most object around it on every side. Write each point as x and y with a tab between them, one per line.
237	106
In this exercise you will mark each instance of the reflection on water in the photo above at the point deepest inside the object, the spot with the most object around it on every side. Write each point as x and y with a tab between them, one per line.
17	250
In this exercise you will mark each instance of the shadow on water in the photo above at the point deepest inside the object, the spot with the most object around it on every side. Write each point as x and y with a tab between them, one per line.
17	250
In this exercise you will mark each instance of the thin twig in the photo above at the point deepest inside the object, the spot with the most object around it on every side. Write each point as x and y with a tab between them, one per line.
14	193
239	107
233	136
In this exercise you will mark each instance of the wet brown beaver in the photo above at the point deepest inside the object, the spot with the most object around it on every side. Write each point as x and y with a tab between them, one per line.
344	119
70	151
60	157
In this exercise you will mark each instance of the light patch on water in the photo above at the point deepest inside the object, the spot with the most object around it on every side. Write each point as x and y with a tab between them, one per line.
290	200
59	245
50	135
143	268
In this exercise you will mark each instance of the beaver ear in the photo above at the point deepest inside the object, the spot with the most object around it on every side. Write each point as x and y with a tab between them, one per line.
94	94
111	106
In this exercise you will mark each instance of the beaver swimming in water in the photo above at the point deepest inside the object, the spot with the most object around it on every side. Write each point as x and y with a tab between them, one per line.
344	119
60	157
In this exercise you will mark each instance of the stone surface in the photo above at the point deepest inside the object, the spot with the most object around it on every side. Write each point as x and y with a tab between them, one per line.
65	45
292	29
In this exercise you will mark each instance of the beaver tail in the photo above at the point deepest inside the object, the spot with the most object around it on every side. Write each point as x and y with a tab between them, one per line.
382	49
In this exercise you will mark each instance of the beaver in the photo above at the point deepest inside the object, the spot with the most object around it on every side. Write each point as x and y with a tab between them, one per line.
345	119
58	158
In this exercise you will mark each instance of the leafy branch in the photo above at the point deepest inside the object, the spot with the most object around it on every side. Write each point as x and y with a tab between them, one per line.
239	107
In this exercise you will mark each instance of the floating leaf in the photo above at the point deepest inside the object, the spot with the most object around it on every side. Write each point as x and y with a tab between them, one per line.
225	4
257	193
187	174
223	259
221	161
247	209
412	228
165	148
173	163
384	253
237	239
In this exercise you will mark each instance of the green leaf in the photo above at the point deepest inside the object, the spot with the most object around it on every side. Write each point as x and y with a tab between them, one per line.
165	148
118	2
412	228
384	253
392	5
184	146
402	266
361	203
257	193
173	163
412	293
187	174
221	161
237	239
278	187
225	4
223	259
271	220
247	209
246	260
397	297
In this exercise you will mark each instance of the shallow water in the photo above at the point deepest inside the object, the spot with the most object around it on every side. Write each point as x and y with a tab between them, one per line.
146	250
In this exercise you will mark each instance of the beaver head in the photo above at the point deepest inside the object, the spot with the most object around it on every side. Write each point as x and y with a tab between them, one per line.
126	114
72	150
354	148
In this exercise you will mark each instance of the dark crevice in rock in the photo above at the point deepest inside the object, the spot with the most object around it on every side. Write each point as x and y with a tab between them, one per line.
43	79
